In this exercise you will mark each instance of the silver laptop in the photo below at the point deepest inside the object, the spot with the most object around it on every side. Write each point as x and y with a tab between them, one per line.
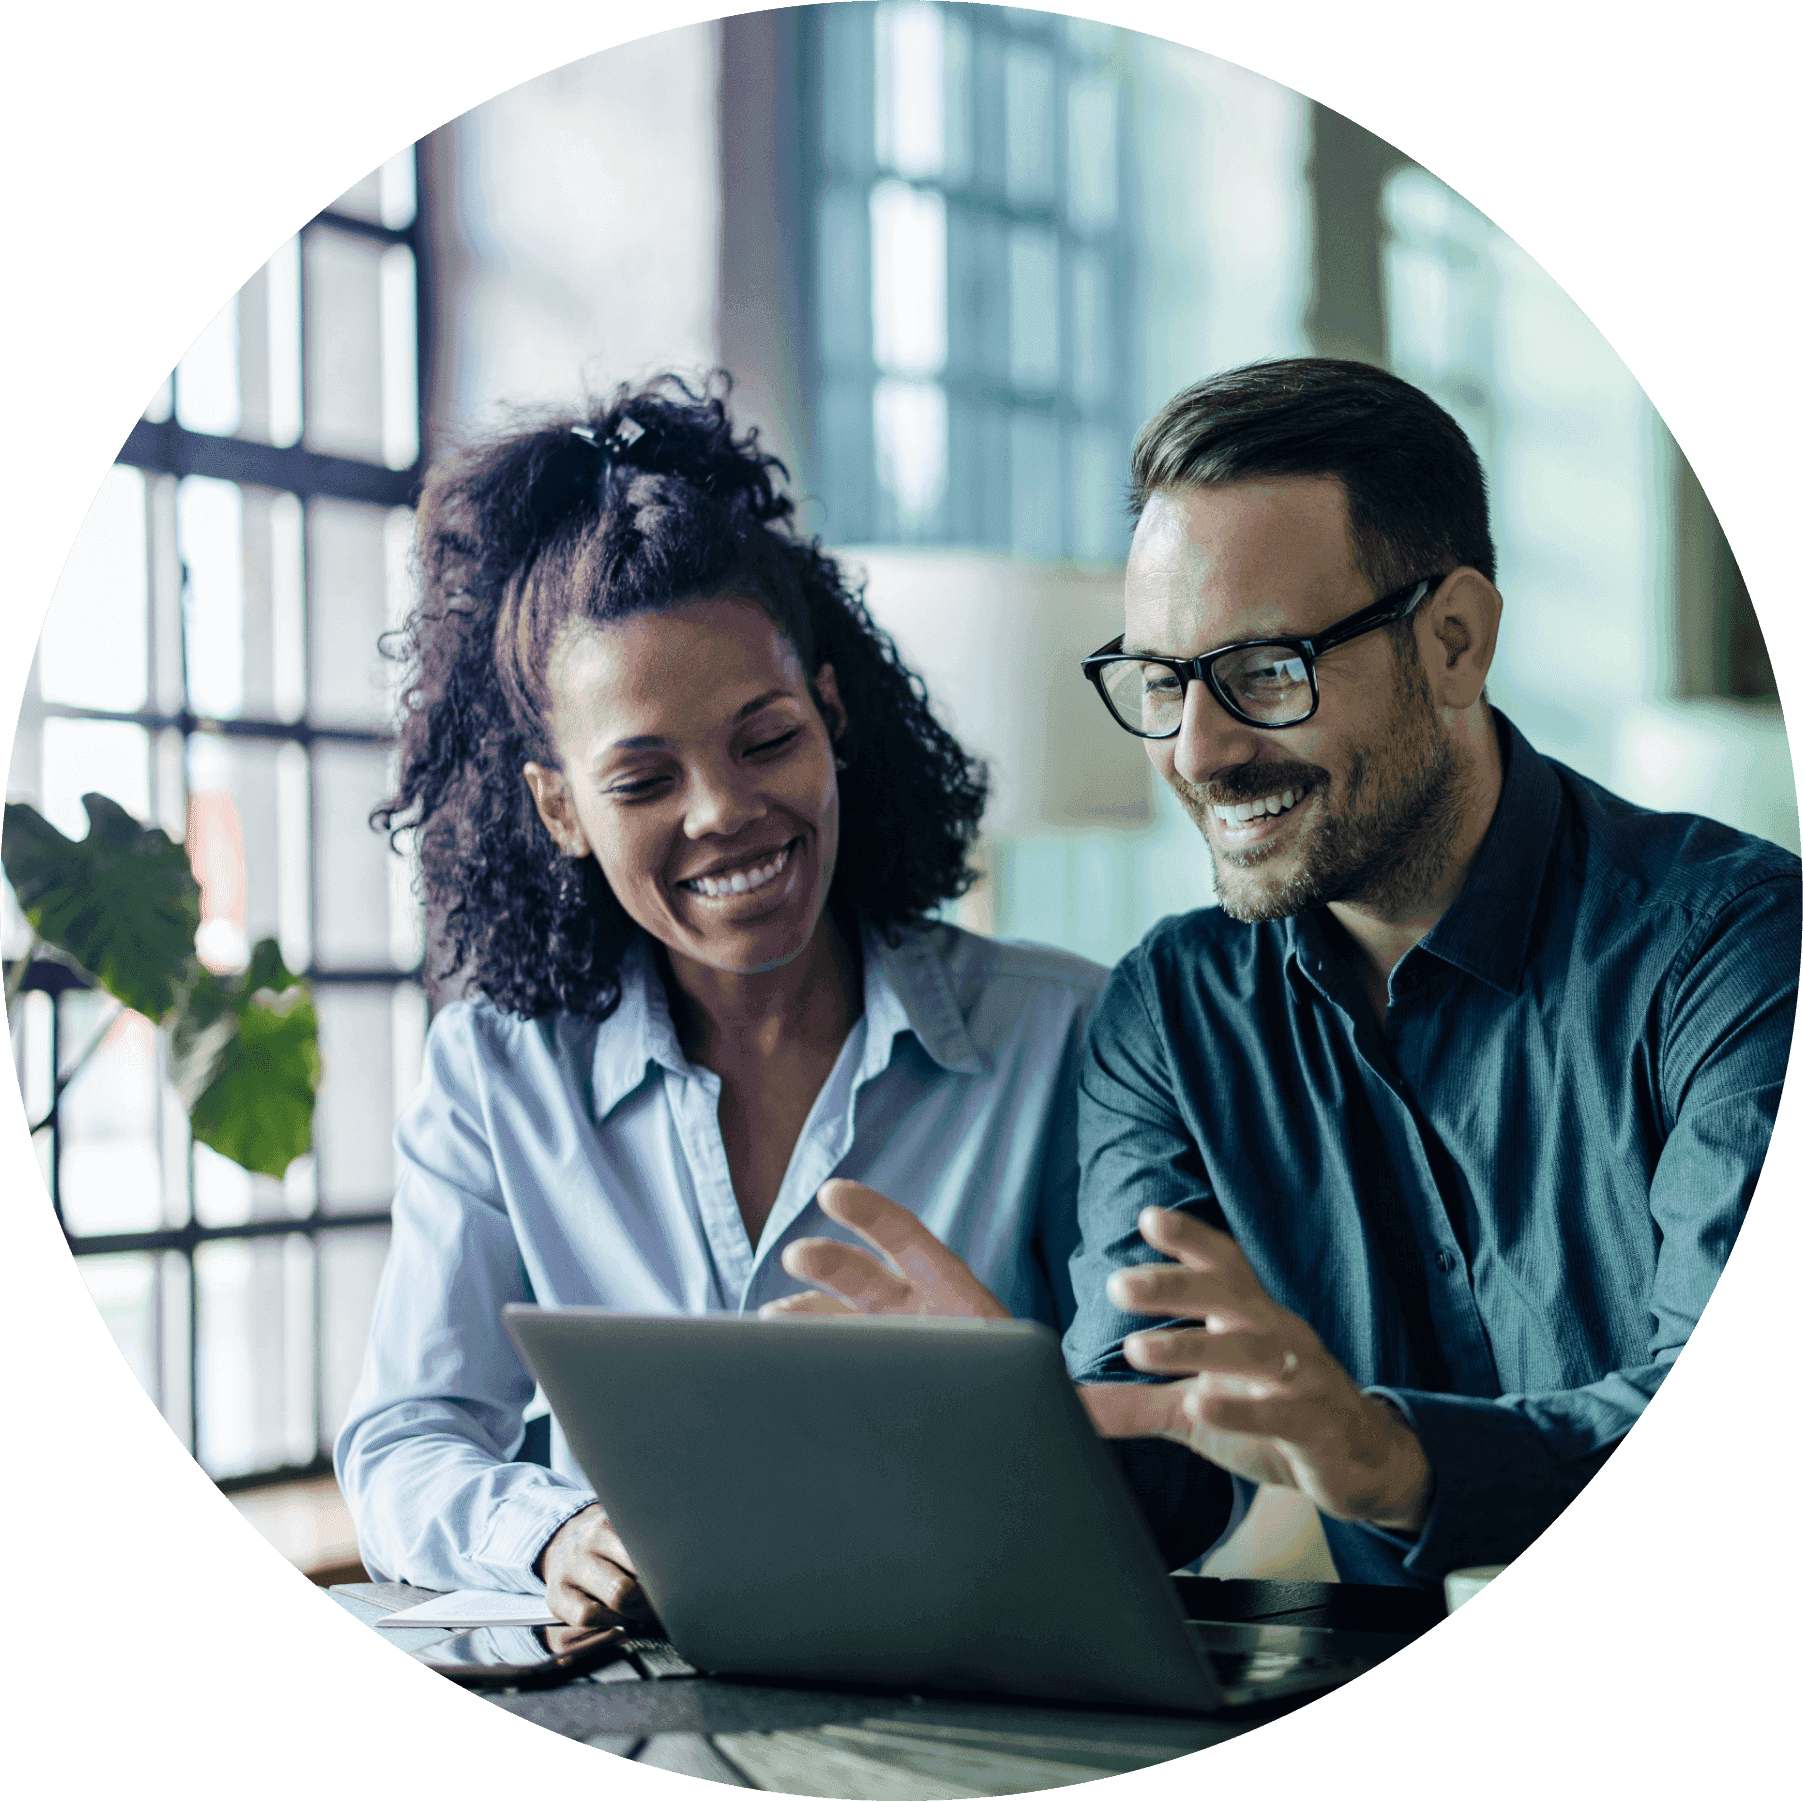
914	1504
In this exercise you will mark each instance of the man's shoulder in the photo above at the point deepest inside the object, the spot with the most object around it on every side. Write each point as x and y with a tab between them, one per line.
1686	862
1195	959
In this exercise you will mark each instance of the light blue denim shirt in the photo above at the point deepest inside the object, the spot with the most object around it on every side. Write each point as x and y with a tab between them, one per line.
571	1162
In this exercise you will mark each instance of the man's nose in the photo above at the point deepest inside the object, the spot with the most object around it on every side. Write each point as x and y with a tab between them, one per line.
1210	741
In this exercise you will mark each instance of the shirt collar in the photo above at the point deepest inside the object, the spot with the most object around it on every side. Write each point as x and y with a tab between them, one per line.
1485	930
906	989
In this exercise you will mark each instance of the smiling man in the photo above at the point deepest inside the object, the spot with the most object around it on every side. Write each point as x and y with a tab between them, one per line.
1410	1166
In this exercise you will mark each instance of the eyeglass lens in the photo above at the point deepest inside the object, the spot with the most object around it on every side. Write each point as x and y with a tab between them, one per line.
1267	683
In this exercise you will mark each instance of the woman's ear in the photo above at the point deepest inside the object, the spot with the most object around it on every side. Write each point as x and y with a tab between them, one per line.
551	796
826	696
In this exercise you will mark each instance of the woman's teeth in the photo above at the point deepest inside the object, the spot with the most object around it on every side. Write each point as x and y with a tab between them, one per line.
740	882
1236	813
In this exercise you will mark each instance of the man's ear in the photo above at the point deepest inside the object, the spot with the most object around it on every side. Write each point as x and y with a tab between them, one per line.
826	695
551	796
1456	636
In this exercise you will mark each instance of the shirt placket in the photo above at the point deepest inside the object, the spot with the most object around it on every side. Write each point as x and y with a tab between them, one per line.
695	1106
1464	1342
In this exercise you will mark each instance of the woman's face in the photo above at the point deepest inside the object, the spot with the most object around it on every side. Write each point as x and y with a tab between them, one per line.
700	774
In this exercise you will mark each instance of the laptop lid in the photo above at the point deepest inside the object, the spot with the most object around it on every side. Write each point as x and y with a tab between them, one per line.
915	1503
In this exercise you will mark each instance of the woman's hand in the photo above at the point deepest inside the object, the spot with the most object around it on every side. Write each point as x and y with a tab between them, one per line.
910	1273
589	1579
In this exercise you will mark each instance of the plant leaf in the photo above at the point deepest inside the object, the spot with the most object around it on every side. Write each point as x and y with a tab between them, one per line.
122	902
251	1062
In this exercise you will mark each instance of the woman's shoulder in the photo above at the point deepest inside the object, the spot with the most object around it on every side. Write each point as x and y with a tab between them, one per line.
473	1042
976	966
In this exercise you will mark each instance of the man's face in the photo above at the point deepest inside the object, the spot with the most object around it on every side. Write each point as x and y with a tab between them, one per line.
1360	803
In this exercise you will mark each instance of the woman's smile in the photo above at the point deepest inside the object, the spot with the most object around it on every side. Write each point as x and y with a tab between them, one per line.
732	879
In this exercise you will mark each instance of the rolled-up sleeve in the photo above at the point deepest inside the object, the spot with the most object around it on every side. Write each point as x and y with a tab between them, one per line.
425	1457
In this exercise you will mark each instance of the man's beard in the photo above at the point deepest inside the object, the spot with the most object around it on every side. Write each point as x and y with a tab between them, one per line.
1383	847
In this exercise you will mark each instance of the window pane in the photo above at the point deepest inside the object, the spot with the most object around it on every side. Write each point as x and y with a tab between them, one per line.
1037	485
353	1127
910	455
1033	308
842	279
255	1353
347	613
910	89
344	344
1028	79
124	1289
350	1268
977	298
94	651
362	199
907	231
210	524
400	360
1090	154
111	1159
235	843
82	756
1098	520
399	185
1092	342
206	379
847	88
353	881
282	286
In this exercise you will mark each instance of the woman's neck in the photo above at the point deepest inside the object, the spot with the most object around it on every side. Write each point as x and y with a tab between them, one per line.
810	1003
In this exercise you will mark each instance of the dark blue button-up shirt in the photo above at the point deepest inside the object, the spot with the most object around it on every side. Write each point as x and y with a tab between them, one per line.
1505	1206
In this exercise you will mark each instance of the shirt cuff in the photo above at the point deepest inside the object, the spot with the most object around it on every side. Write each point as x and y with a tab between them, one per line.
522	1526
1497	1488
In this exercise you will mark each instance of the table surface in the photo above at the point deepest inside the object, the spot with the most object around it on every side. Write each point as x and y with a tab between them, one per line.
892	1747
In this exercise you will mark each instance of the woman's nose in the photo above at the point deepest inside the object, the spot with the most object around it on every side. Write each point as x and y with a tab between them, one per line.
721	802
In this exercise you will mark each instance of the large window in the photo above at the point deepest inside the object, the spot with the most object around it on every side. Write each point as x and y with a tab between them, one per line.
964	166
210	661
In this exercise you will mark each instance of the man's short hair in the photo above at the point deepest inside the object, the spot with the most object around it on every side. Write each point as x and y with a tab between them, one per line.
1414	488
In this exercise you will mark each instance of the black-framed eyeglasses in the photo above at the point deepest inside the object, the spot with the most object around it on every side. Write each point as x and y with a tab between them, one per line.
1265	682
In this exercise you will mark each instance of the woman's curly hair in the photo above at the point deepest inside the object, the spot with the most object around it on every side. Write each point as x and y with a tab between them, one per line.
644	504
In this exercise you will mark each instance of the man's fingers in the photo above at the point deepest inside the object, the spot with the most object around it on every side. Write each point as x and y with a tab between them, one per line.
1133	1410
1191	1241
854	1276
1178	1290
1183	1351
810	1301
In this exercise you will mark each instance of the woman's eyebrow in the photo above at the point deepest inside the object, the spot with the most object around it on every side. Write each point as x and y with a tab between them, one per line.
652	741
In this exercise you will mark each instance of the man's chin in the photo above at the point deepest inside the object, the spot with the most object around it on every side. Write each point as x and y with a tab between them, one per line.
1255	886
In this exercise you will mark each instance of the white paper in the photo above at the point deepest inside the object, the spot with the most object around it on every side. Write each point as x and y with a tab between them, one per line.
474	1608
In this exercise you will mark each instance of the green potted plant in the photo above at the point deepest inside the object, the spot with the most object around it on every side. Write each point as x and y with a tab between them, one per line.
123	906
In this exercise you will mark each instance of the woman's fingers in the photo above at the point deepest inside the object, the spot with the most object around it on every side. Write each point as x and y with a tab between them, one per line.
854	1276
942	1282
809	1301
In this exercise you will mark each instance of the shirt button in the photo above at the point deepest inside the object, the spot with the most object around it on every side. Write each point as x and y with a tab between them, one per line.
1444	1259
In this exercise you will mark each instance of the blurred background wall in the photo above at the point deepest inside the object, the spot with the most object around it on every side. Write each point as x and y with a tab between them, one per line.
954	256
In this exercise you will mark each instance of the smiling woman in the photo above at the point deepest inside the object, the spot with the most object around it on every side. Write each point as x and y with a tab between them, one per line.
683	818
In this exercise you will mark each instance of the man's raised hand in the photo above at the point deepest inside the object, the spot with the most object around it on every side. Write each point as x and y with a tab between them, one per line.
1261	1396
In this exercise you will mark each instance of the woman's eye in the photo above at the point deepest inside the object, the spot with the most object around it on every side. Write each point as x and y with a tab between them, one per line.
774	744
635	789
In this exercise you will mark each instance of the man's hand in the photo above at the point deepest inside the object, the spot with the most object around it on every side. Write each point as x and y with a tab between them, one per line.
913	1273
1262	1395
589	1579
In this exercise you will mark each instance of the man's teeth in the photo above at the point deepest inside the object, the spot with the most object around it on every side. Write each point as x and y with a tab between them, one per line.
1236	813
740	882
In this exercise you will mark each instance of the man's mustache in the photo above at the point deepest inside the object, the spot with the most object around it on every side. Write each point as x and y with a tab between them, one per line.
1249	782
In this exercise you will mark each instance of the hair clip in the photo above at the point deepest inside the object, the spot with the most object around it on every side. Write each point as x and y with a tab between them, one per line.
624	436
587	434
